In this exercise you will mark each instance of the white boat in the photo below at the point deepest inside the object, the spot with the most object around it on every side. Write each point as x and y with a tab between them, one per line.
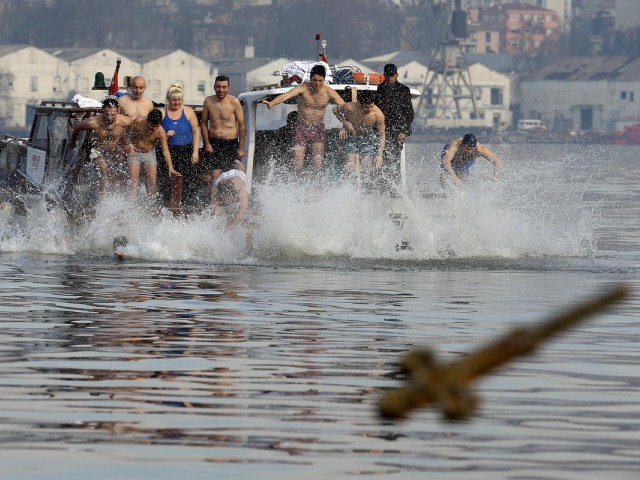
263	145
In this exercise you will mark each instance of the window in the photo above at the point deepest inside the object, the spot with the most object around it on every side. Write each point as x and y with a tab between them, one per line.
631	96
33	84
623	95
487	37
514	16
40	134
156	89
496	96
201	87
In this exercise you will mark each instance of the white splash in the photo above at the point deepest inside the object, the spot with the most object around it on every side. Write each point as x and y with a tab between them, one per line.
505	219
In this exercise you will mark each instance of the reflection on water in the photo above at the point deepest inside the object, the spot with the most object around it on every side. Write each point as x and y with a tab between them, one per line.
254	368
191	360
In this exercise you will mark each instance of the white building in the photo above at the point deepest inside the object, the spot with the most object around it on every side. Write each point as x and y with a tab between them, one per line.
244	74
584	94
163	68
493	96
28	75
492	91
84	63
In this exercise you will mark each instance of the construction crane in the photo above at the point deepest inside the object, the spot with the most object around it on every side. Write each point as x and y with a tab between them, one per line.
448	98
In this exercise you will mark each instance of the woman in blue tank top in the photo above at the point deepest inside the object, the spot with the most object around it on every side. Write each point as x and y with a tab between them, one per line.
183	136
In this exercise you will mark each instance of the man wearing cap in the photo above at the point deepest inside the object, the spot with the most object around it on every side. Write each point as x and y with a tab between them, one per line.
394	99
107	141
460	154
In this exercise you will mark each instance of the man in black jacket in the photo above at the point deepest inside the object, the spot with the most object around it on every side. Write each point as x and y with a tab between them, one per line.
394	99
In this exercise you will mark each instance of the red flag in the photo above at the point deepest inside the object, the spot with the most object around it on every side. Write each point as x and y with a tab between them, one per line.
113	88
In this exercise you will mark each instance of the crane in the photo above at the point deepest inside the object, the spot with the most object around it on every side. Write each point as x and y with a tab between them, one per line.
448	98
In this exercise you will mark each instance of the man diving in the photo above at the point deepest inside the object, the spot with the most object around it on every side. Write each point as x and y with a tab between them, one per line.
458	155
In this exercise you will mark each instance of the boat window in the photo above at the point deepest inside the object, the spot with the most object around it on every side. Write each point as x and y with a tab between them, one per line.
40	134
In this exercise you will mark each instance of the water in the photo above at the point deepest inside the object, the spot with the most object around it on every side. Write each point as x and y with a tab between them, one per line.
199	358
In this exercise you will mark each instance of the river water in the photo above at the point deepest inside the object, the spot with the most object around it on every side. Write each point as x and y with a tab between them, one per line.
198	357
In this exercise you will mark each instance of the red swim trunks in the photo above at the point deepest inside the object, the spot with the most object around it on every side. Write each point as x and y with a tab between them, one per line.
304	134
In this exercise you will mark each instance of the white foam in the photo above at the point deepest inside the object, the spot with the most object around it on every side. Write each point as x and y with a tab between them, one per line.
523	215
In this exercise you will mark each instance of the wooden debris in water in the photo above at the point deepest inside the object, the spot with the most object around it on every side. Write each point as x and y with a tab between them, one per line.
447	385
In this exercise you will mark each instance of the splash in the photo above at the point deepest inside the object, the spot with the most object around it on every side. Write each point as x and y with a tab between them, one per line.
299	222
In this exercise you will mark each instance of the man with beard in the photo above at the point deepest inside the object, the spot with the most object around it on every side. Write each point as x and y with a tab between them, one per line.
223	131
107	142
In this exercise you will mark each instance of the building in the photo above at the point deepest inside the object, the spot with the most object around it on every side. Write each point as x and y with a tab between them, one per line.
562	7
27	76
522	28
82	65
163	68
512	66
412	66
244	74
627	14
584	94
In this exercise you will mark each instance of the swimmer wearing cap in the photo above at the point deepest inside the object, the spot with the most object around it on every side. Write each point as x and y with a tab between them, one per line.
460	154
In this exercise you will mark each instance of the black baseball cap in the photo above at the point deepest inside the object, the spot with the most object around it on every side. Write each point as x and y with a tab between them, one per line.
390	69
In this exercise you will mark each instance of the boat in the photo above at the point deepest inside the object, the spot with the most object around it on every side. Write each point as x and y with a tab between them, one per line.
267	129
39	169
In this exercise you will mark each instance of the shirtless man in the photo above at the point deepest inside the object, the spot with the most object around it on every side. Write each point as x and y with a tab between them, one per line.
108	146
144	132
363	133
459	155
223	130
314	97
134	104
230	188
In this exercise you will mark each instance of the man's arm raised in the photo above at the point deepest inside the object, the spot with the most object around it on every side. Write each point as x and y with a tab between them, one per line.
283	97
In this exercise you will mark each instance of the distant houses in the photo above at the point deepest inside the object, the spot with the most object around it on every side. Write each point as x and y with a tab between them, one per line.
584	94
574	94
